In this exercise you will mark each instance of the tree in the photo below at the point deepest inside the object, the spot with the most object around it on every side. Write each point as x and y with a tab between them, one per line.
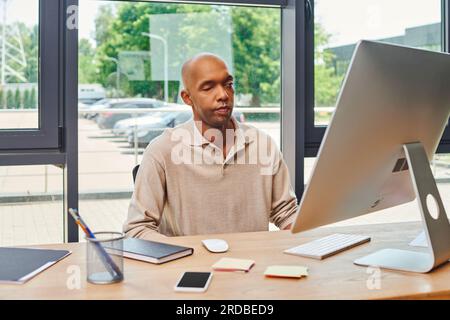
327	82
86	62
2	99
102	23
17	99
125	34
26	99
257	56
33	101
29	40
255	44
9	100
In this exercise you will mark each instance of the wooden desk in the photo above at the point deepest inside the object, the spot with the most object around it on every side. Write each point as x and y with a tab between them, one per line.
334	278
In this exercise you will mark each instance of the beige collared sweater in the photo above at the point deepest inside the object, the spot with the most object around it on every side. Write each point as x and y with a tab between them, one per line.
184	185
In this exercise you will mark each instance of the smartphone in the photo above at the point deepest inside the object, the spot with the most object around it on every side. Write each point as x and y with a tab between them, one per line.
194	282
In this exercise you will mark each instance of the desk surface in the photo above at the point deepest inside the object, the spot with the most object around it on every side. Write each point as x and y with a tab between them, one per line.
333	278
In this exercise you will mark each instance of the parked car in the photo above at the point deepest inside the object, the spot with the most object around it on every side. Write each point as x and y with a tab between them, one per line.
90	93
151	126
107	120
101	104
82	107
127	126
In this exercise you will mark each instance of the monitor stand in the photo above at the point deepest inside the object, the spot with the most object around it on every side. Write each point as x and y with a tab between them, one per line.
435	222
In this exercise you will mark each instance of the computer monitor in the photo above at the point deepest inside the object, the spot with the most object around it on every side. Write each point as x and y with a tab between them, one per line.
391	112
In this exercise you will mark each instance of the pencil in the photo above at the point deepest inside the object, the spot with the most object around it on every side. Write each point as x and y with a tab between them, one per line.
106	258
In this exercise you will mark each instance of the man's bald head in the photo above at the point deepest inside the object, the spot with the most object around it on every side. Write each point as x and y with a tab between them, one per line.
208	89
197	65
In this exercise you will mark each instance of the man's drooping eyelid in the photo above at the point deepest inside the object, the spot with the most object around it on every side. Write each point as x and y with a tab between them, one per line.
206	85
229	81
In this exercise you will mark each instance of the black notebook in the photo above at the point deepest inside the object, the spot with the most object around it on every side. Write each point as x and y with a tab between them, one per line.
18	265
152	251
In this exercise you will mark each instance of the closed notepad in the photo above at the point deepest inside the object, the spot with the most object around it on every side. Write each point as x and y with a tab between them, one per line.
231	264
17	265
152	251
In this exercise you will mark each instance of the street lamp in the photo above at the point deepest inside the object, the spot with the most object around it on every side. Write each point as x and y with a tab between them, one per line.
117	72
166	63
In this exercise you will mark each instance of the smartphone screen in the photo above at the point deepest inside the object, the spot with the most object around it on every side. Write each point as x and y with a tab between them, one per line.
194	280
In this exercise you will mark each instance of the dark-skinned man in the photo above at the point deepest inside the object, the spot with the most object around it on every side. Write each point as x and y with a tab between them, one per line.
211	174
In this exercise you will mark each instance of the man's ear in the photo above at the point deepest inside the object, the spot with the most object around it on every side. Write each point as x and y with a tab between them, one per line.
186	97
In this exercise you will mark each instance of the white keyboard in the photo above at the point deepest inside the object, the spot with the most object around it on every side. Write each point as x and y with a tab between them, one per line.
328	246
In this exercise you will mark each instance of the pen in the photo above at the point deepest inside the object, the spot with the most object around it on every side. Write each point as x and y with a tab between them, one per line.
109	263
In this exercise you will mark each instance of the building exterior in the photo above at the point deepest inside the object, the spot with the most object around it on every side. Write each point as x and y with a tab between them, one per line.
425	37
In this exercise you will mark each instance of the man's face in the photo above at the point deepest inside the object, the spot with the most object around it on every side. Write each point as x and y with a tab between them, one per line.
210	92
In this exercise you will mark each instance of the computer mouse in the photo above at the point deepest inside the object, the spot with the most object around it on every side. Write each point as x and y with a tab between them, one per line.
215	245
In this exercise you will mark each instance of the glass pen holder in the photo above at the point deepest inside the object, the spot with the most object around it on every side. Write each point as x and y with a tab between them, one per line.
105	257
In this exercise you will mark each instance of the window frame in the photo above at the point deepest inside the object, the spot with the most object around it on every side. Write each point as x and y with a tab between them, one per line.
299	138
444	145
314	134
292	111
259	3
64	79
59	87
292	35
47	135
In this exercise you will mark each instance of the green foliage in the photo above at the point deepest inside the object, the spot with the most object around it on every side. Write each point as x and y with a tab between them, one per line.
102	22
255	41
9	99
256	53
2	99
132	21
17	99
26	99
255	48
86	63
327	82
33	99
30	40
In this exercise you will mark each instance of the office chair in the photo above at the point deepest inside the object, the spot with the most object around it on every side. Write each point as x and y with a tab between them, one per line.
135	171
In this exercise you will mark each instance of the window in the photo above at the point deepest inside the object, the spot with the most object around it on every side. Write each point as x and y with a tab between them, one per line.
31	205
19	65
417	26
133	52
29	89
34	165
339	25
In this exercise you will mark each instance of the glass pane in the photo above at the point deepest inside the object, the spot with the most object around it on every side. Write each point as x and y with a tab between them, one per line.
131	53
19	56
31	205
340	24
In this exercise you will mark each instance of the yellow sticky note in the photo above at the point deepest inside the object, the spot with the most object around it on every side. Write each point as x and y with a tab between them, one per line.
286	271
231	264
